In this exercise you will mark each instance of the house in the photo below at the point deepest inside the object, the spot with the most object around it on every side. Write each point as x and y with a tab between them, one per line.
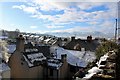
13	34
57	69
19	67
88	44
3	35
45	49
29	61
75	59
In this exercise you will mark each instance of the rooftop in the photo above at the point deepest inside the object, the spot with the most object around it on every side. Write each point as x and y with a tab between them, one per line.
75	58
34	59
54	63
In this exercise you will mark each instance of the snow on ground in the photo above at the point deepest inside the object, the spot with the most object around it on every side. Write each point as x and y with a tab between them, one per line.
75	58
102	59
91	72
94	70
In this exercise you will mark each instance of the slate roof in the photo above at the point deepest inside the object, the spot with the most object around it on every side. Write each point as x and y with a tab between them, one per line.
75	58
45	49
89	46
54	63
11	48
34	59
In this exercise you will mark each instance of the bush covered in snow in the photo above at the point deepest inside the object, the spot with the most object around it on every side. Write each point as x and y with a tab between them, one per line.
3	51
105	47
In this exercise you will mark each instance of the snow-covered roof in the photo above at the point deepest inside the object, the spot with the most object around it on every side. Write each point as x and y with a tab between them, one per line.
75	58
4	67
36	36
32	35
54	42
32	57
11	48
3	37
1	56
51	41
41	38
54	63
47	40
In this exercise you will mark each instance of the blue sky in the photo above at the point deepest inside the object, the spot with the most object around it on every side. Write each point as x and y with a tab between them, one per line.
41	17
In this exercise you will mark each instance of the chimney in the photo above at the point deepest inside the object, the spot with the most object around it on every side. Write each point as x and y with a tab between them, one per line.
82	49
73	38
20	43
64	58
89	38
59	42
118	39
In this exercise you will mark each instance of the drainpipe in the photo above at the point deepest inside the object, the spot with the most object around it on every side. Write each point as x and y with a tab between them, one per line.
76	67
56	52
57	74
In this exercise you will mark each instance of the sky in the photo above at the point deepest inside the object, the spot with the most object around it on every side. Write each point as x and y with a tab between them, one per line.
44	16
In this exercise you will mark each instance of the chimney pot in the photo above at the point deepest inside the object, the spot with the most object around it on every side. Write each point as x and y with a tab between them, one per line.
89	38
72	38
20	43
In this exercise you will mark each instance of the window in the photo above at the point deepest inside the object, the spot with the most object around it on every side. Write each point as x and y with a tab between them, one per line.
51	72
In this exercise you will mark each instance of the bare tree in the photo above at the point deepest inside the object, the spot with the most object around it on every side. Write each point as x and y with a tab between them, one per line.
4	51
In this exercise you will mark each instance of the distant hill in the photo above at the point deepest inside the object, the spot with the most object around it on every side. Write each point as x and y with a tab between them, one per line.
82	34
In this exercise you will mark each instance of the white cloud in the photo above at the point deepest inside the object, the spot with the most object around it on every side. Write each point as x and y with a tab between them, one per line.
88	5
39	1
71	15
18	7
33	27
53	26
93	22
30	10
108	24
26	9
50	5
60	0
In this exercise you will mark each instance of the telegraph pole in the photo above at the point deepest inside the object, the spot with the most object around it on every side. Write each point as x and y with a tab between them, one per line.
116	31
